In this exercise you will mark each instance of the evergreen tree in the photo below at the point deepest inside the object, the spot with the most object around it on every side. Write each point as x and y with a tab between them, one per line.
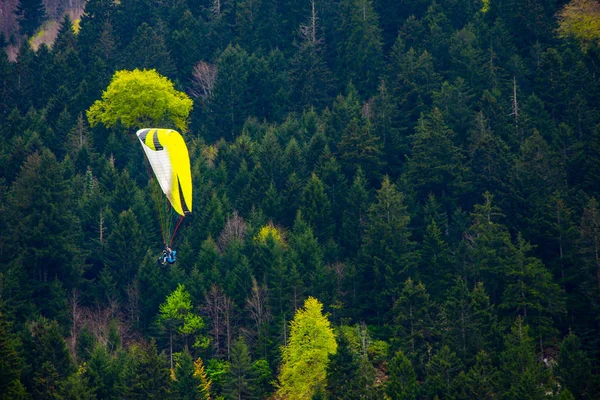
574	367
530	292
436	164
358	147
186	382
240	382
441	369
316	208
355	214
148	50
11	363
480	382
43	225
402	384
312	82
31	14
48	363
229	104
387	256
146	373
413	323
522	373
360	45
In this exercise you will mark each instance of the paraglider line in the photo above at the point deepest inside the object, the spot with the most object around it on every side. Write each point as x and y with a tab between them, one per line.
179	221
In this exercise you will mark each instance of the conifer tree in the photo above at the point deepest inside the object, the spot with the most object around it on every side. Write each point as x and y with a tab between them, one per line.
480	382
311	79
354	217
413	322
147	374
11	363
522	373
436	164
402	384
31	14
240	383
388	255
316	208
360	45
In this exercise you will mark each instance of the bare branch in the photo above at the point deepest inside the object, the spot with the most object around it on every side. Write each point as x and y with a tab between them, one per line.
204	78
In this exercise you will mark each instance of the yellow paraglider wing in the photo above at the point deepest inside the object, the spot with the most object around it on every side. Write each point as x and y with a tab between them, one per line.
169	158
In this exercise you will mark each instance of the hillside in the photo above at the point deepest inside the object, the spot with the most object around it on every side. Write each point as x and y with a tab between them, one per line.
391	199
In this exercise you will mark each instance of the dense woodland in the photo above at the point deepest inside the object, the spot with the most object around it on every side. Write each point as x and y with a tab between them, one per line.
392	199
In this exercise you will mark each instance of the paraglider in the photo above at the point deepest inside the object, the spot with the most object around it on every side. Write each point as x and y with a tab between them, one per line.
169	160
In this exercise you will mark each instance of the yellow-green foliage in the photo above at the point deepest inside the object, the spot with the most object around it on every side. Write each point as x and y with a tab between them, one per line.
141	99
486	6
305	358
210	153
580	19
76	26
271	231
205	382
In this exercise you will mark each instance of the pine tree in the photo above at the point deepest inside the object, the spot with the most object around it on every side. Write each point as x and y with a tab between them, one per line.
402	384
531	293
436	165
230	103
11	363
316	208
479	382
441	369
312	82
354	217
44	228
147	375
360	45
49	363
148	50
31	14
522	373
186	382
240	383
388	256
574	367
413	323
358	147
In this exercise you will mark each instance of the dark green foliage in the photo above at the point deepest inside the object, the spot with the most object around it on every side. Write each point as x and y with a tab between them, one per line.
431	168
402	384
32	14
388	255
49	363
11	363
241	379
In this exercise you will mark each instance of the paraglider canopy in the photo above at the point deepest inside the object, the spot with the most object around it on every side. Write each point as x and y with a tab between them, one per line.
170	161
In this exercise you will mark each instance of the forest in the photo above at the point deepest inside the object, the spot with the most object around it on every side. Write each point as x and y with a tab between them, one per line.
392	199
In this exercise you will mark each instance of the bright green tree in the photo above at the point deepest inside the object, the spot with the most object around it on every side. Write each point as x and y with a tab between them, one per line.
580	19
141	98
305	358
176	317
